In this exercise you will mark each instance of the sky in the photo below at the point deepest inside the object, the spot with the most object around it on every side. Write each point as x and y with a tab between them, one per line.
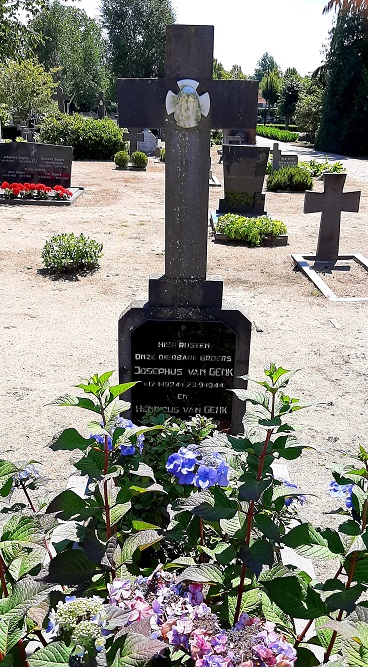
292	31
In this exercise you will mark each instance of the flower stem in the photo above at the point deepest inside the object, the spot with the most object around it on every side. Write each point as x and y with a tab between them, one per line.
28	496
105	488
2	577
250	515
300	637
201	532
351	573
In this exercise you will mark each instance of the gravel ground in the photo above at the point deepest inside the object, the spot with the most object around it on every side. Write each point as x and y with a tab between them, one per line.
56	331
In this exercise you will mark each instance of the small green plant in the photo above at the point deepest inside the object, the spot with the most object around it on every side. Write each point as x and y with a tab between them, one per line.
121	159
237	200
252	230
296	179
317	169
162	155
65	253
274	133
139	159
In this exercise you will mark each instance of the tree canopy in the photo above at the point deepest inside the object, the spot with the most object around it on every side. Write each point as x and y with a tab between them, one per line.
219	72
137	32
26	88
343	128
347	5
270	87
265	64
72	42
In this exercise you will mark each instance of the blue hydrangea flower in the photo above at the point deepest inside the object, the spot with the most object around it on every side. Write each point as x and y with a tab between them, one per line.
206	476
222	473
342	491
290	499
182	464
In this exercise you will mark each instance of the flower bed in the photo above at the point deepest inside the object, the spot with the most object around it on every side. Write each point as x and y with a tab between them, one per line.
37	191
173	554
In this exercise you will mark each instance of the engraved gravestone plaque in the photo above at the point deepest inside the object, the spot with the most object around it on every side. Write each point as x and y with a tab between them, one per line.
244	173
36	163
186	368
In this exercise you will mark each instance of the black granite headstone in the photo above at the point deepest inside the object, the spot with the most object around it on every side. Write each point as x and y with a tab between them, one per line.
244	174
184	305
36	163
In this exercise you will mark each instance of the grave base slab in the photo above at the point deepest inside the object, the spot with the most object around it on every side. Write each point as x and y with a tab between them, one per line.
269	241
77	192
303	263
214	181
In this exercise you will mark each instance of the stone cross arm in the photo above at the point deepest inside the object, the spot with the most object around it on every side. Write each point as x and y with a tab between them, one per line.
332	196
142	102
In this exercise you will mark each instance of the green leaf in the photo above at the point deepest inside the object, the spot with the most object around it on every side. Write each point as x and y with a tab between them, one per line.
308	542
69	440
26	562
92	464
11	631
260	553
251	489
68	505
143	470
306	658
117	512
21	530
7	471
26	593
295	597
268	527
249	603
54	655
70	401
274	614
138	650
143	525
119	389
70	568
202	574
140	541
210	513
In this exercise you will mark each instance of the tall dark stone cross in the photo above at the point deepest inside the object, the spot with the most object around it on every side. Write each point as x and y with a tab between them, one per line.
186	349
331	202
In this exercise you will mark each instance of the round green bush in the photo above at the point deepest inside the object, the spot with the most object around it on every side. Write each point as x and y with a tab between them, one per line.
65	253
252	230
90	138
121	159
296	179
139	159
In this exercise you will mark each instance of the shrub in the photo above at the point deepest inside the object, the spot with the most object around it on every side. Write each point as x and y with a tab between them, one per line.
162	155
139	159
253	230
274	133
297	179
91	139
121	159
216	137
66	252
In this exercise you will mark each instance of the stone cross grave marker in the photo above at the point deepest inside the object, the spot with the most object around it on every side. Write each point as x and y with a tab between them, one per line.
101	105
60	97
186	350
281	160
133	136
331	202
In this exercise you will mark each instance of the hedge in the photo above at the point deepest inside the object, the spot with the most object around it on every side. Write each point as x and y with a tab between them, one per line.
274	133
90	138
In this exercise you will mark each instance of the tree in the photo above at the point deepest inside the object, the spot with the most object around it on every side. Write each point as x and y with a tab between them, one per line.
290	91
16	35
347	5
265	64
137	33
72	42
219	72
343	128
270	87
309	107
26	88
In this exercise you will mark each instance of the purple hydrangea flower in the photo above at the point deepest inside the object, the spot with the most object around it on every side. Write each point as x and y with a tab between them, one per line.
289	499
206	476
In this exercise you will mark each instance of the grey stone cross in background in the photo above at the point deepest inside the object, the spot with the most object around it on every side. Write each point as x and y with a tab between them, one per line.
133	136
331	202
60	97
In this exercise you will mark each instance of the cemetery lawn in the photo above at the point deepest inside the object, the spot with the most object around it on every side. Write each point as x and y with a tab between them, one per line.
57	331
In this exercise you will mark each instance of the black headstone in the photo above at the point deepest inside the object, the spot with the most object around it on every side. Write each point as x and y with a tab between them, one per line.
36	163
244	174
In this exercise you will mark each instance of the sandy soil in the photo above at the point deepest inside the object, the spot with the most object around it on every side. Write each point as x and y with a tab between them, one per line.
56	331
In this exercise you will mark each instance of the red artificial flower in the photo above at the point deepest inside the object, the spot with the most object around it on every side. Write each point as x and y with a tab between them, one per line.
5	185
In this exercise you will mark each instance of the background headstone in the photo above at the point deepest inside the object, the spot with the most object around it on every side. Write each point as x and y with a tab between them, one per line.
36	163
244	173
133	136
149	143
61	99
281	160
